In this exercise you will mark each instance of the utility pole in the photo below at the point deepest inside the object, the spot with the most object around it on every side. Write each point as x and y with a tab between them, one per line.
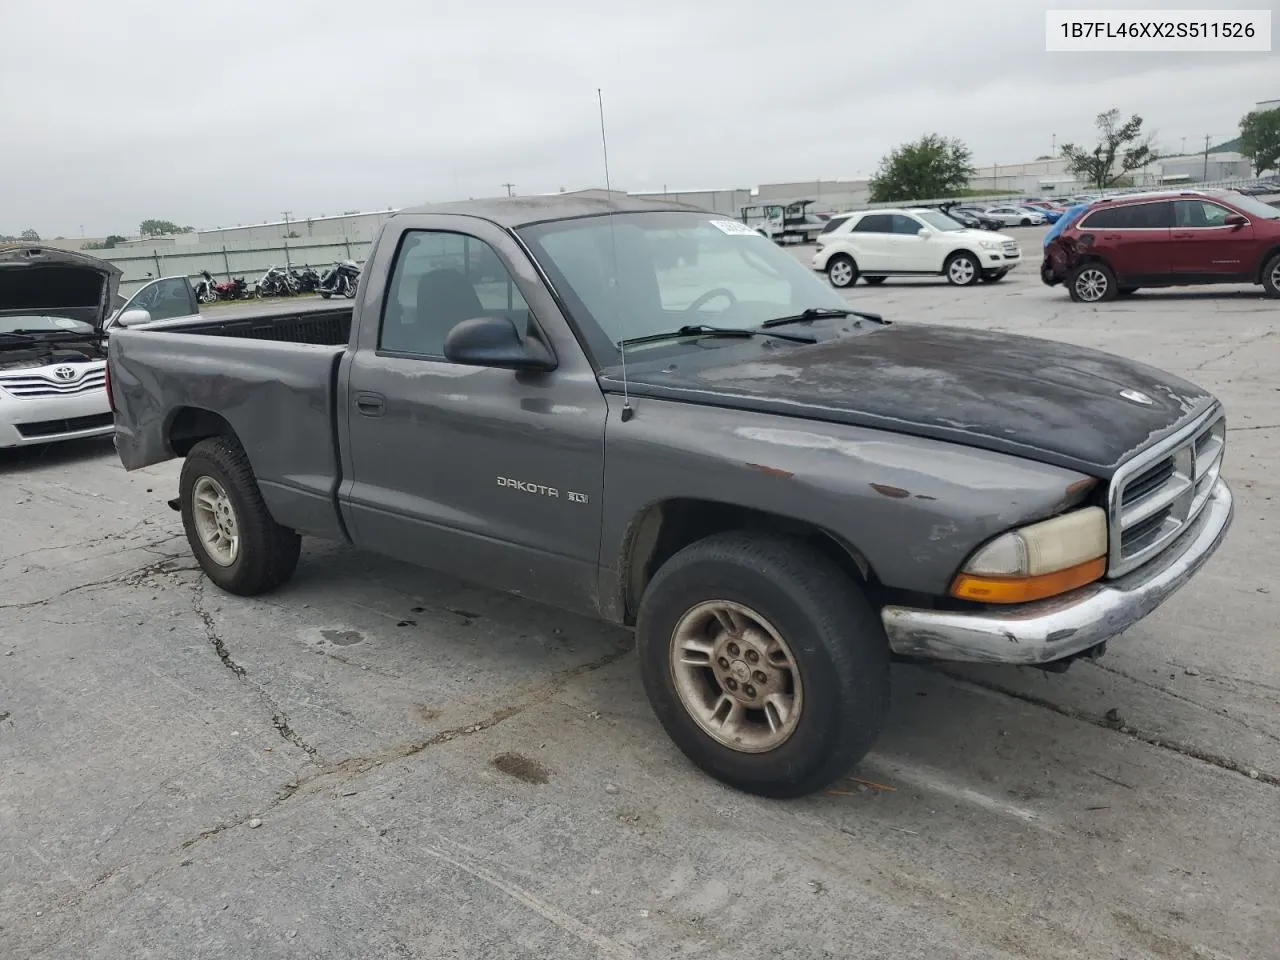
1053	146
1184	146
509	186
1207	138
285	214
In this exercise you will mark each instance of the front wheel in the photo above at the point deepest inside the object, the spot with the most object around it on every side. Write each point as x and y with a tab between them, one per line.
1092	282
350	291
325	294
842	271
232	535
1271	277
963	270
763	662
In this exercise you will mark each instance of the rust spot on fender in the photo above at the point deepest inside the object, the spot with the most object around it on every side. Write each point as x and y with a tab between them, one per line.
896	493
772	471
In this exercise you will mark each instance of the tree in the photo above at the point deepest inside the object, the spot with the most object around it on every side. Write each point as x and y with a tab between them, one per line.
158	228
1116	141
1260	139
933	166
30	235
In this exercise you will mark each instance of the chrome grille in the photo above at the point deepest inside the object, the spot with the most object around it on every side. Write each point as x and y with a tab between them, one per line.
34	386
1010	248
1155	495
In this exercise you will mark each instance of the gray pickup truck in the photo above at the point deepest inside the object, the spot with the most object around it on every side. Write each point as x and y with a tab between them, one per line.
653	415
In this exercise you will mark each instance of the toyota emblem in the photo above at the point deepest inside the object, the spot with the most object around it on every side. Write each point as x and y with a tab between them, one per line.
65	373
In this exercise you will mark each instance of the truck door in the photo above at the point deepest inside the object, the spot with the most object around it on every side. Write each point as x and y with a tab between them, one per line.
491	474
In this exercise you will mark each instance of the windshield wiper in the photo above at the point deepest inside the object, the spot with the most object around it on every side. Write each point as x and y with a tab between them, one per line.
20	336
706	330
819	313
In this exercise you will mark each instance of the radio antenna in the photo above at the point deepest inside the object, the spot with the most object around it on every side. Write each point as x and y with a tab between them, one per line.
627	411
604	141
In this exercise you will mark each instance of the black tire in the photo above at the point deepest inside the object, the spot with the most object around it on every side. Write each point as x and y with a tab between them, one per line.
1271	277
836	639
1126	291
268	552
325	294
838	276
875	281
973	275
993	276
1092	282
1026	221
350	291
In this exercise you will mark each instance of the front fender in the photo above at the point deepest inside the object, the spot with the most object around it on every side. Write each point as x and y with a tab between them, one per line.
914	508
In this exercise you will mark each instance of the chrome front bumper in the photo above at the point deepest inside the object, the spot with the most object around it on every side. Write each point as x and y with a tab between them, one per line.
1049	630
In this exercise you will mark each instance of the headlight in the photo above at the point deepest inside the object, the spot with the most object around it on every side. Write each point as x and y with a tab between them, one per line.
1037	561
989	244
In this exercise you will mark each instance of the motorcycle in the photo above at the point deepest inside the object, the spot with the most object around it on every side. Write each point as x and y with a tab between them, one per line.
340	280
274	283
306	281
206	289
235	289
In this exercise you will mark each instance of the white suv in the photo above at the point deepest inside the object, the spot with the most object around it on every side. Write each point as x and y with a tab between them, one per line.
875	244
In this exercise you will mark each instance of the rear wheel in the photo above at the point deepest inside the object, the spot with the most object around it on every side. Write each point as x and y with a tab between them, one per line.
763	662
1271	277
962	269
842	271
1026	221
232	535
1092	282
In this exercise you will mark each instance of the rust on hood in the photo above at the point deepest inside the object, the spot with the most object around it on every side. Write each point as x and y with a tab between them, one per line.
896	493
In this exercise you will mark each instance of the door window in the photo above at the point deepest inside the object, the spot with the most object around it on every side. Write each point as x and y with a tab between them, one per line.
834	224
1137	216
165	299
875	223
1199	213
905	225
439	280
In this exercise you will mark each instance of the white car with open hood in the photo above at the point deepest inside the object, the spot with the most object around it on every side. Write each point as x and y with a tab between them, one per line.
56	312
875	244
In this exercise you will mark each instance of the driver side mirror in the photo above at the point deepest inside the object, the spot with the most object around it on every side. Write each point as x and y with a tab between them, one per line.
495	342
922	232
1234	220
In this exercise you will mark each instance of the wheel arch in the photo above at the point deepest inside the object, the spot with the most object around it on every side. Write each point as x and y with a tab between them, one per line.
660	530
1264	260
189	425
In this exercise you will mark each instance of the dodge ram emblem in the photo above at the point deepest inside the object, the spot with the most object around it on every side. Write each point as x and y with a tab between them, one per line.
65	373
1137	396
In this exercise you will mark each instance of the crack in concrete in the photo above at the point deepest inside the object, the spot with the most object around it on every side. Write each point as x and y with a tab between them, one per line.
1249	341
1174	695
153	567
1232	428
1183	749
279	719
352	767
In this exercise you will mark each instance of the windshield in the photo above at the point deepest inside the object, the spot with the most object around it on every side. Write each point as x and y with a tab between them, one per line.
42	323
939	221
637	274
1253	206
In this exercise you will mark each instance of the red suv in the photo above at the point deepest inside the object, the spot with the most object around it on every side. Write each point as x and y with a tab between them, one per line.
1164	240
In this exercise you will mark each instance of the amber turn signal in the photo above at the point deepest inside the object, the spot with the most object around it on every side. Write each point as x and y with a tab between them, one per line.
967	586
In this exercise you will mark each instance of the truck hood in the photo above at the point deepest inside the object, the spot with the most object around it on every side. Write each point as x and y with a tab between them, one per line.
1038	399
65	283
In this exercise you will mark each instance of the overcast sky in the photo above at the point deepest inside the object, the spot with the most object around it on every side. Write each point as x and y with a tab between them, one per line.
215	114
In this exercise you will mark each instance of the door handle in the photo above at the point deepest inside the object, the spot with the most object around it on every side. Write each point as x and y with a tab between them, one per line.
1183	236
371	404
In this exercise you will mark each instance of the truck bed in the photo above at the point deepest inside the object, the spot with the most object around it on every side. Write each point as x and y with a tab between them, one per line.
270	378
330	326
